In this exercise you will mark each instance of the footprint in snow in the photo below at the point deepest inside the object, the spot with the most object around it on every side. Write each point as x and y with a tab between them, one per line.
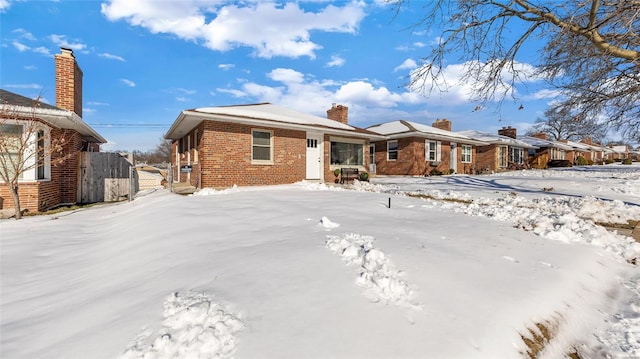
511	259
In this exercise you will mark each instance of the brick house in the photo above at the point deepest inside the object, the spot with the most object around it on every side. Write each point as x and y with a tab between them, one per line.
46	185
597	153
619	152
502	152
416	149
545	151
264	144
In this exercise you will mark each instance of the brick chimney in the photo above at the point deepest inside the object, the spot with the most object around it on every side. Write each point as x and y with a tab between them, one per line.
588	140
540	135
443	124
338	113
507	131
68	82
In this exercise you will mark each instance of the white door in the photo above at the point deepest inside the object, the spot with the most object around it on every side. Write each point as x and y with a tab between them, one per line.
314	156
454	157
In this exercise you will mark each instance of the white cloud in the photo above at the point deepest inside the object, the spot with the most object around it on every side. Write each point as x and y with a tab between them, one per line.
42	50
128	82
233	25
336	61
97	103
4	5
111	57
24	86
86	110
186	91
181	99
419	44
24	34
226	67
307	94
20	47
544	94
61	41
408	64
30	67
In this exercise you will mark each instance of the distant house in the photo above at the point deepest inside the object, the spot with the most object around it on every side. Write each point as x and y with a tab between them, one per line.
46	186
415	149
150	177
264	144
597	152
546	150
502	151
619	152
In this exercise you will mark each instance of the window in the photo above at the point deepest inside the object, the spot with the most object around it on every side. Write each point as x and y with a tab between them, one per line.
503	159
466	153
11	145
29	143
40	152
262	150
433	150
392	150
347	153
312	143
517	155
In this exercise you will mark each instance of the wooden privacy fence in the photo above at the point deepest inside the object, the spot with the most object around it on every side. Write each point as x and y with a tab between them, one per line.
105	177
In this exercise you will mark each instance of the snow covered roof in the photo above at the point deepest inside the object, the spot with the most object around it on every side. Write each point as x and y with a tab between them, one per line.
21	106
401	129
582	147
619	149
538	142
264	114
495	138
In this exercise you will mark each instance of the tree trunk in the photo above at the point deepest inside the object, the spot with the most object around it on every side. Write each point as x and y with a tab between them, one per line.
16	201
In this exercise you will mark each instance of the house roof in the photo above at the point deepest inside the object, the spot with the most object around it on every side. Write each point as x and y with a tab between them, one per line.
495	139
263	114
18	105
402	129
538	142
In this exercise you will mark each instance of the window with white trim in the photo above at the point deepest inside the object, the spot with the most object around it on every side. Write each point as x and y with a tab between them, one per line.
503	156
517	155
262	146
392	150
466	153
433	150
34	150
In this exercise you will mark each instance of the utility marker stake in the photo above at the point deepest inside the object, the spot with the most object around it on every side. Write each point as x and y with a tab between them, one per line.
389	202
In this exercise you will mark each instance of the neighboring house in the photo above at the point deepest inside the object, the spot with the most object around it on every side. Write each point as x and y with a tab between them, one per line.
502	152
597	153
416	149
619	152
577	149
264	144
46	185
546	150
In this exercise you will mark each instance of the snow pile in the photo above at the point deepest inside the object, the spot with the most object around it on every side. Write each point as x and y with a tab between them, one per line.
194	327
311	186
367	186
376	274
208	191
326	223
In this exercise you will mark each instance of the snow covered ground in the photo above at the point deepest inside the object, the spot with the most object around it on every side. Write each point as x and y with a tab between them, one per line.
457	266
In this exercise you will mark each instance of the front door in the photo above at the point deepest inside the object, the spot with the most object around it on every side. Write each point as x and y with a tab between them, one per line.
453	160
314	156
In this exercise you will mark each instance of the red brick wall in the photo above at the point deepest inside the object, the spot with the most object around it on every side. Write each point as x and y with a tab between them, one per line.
487	158
224	153
68	82
411	159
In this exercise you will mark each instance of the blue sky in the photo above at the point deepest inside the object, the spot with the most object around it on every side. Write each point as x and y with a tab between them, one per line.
145	61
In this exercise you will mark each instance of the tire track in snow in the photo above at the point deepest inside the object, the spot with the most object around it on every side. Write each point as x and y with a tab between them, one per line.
194	326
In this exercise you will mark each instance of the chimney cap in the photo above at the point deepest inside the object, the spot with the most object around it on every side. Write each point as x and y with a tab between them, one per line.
66	51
